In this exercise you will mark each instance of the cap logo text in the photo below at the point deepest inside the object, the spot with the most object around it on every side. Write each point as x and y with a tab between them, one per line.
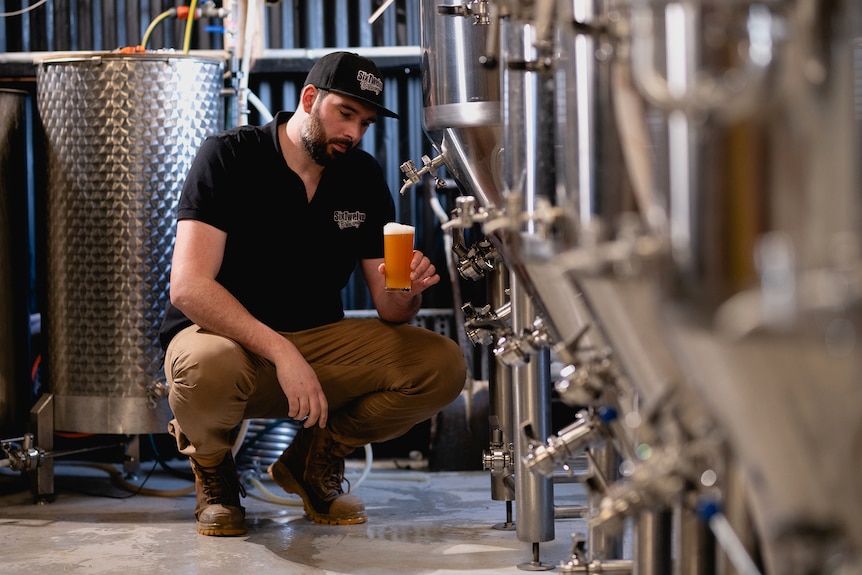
368	81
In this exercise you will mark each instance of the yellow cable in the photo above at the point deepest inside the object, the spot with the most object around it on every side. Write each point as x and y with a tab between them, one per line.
153	25
191	18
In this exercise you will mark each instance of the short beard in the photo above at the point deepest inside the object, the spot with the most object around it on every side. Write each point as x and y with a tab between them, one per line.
315	143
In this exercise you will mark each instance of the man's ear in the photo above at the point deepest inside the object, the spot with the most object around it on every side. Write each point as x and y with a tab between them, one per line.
307	97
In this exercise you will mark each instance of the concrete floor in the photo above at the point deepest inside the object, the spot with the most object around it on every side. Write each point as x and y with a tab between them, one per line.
419	522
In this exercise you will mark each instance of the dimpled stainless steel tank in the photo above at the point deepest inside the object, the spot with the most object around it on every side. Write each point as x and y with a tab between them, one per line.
121	131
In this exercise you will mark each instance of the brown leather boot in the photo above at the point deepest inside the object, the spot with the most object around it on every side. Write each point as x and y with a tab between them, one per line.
313	468
218	511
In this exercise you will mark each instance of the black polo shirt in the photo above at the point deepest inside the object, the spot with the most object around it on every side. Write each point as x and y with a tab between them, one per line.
286	260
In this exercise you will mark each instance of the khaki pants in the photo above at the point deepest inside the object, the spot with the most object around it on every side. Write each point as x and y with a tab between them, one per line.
379	380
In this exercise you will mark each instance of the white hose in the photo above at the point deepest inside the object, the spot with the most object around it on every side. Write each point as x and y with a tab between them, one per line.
240	438
730	543
272	497
369	459
265	114
275	498
267	494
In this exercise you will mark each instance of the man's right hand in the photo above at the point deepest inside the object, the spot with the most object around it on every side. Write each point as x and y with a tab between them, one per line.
303	391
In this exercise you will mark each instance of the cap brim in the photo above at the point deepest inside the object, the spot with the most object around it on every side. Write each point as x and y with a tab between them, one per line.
374	105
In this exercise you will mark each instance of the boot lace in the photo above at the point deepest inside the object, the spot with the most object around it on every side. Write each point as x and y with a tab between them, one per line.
222	484
332	471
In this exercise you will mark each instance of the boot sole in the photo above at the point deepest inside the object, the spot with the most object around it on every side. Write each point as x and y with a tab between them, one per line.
282	475
221	530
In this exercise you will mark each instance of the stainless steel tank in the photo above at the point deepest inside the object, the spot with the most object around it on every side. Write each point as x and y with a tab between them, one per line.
461	93
121	131
14	332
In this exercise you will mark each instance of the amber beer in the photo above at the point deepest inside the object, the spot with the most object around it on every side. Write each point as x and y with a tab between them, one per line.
397	255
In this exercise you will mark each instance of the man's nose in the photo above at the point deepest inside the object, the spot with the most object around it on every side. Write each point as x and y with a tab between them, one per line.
354	131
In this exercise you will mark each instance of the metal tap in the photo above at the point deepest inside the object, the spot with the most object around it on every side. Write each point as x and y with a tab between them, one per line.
498	459
156	391
656	476
515	350
484	324
588	372
25	457
467	213
564	446
414	176
476	261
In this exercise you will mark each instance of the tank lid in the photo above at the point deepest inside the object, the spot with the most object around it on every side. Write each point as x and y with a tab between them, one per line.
159	55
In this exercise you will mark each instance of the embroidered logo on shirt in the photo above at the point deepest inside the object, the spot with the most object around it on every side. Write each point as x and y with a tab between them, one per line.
348	219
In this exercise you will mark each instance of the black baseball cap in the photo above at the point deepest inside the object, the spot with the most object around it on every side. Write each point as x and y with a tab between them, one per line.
351	75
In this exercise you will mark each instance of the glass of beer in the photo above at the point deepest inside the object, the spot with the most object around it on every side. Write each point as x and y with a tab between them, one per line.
397	255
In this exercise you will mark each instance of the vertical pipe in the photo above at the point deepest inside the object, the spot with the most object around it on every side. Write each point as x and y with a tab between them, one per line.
682	57
534	496
602	545
500	394
578	114
42	422
694	544
523	111
652	542
521	95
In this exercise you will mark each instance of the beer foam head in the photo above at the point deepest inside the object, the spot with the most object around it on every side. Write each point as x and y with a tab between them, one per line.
393	228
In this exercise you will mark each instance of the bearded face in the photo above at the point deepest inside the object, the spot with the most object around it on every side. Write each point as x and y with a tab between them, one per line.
313	136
